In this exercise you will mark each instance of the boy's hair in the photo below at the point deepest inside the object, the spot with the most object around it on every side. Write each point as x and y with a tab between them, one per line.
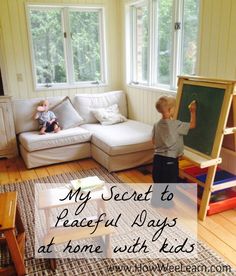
43	101
164	103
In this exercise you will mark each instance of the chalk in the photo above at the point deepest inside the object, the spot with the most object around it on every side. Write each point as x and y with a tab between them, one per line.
194	101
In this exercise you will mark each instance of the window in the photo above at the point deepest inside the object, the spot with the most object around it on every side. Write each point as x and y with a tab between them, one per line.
162	41
67	45
140	42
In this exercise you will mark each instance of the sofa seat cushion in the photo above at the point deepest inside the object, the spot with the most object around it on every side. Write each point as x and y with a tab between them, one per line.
32	141
126	137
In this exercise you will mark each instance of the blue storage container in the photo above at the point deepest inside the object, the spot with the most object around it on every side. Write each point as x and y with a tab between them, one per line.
220	177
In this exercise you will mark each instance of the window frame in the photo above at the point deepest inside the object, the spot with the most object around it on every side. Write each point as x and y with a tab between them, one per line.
67	46
133	45
177	39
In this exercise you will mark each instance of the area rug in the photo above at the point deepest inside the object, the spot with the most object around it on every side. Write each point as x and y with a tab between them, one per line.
207	259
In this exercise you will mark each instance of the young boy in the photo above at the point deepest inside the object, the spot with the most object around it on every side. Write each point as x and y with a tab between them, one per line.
47	119
168	141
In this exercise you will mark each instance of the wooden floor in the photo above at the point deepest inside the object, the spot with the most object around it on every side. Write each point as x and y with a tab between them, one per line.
218	231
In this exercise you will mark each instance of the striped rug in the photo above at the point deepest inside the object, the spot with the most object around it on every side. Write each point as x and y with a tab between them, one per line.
206	257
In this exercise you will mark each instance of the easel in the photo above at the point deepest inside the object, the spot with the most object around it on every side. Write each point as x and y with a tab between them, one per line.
202	160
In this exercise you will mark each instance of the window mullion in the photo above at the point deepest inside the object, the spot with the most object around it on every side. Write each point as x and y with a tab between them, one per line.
151	43
154	35
102	48
180	37
128	44
68	46
176	46
134	41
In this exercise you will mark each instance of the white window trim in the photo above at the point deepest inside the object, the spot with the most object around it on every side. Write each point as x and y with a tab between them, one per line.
134	33
70	84
177	39
67	47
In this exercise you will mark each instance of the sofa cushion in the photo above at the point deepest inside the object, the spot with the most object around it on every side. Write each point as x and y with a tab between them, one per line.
127	137
109	115
24	112
84	103
66	115
32	141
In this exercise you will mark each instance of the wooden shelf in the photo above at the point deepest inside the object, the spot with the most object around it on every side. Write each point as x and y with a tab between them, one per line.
225	185
182	174
201	161
230	130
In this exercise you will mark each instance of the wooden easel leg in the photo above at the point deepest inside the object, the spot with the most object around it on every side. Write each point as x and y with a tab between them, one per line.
234	119
207	192
15	252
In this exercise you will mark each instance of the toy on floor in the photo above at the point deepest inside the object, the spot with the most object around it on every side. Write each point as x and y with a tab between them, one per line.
222	195
47	119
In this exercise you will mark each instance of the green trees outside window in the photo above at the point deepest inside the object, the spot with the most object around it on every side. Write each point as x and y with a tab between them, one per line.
169	42
85	45
67	45
47	37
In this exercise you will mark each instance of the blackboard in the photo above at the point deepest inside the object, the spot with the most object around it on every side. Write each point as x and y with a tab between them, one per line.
209	104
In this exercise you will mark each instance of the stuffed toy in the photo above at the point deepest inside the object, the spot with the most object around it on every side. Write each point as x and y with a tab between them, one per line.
47	119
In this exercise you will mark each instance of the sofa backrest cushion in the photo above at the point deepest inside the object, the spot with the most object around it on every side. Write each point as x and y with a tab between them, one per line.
85	103
24	112
66	114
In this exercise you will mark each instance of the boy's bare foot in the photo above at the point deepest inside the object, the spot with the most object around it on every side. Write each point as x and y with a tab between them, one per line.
56	129
42	131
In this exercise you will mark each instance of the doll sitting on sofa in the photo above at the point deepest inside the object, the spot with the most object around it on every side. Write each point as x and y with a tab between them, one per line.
47	119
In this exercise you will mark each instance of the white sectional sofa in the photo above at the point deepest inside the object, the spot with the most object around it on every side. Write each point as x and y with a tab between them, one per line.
117	146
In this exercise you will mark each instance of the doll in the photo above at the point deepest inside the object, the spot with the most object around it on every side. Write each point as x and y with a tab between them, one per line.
47	119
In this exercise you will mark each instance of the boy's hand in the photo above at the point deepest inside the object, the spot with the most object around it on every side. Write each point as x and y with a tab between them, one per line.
192	106
50	122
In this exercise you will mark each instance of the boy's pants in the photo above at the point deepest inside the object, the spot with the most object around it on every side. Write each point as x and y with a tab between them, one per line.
50	127
165	170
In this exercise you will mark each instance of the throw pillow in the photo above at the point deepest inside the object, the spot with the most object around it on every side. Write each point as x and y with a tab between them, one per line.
108	115
66	114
